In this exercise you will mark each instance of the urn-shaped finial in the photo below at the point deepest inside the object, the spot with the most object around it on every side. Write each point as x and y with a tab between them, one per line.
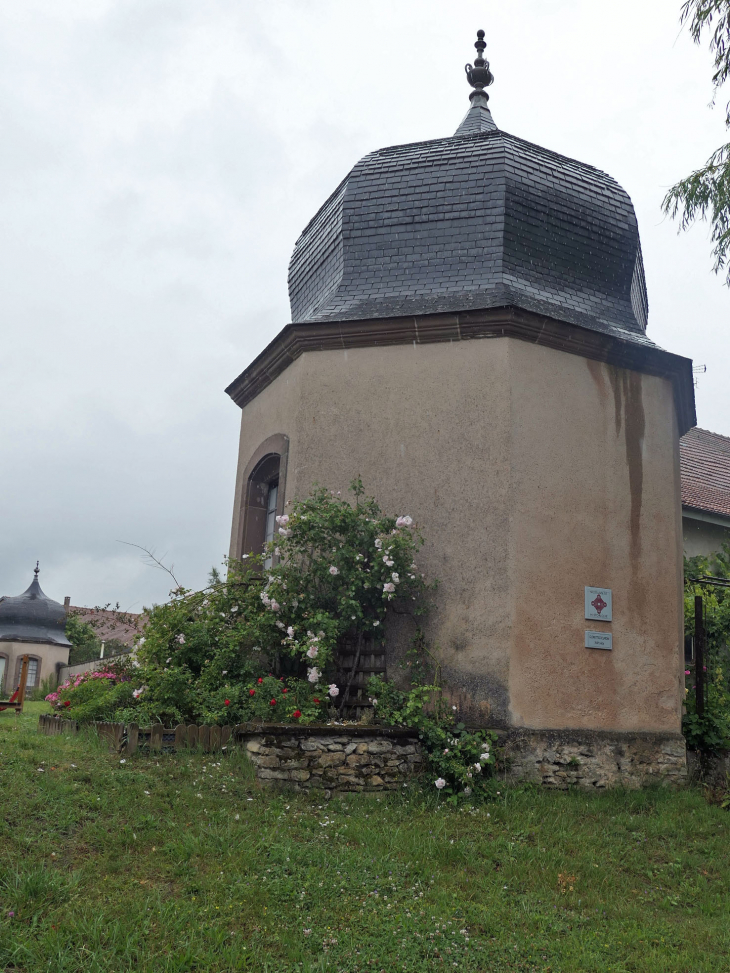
479	76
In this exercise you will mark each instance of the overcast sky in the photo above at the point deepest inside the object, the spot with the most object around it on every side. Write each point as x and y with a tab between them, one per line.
158	159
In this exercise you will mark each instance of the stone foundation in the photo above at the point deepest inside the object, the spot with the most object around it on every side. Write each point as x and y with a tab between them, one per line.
595	759
352	758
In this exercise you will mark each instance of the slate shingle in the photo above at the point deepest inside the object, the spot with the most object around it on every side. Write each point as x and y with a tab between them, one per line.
470	222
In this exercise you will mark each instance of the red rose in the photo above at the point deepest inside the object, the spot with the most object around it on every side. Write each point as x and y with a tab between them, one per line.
226	702
261	680
272	703
67	702
252	692
286	690
315	701
296	714
281	679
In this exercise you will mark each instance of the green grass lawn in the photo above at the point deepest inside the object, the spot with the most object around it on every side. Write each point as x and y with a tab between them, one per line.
181	863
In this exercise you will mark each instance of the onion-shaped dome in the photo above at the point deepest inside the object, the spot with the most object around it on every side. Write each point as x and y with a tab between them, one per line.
479	220
33	617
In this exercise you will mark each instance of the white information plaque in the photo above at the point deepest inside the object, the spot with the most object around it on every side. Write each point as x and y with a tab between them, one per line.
599	640
599	604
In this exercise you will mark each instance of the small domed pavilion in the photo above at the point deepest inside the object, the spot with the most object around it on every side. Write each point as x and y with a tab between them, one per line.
31	624
469	334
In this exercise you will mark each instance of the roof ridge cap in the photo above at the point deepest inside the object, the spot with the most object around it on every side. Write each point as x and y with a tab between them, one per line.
708	432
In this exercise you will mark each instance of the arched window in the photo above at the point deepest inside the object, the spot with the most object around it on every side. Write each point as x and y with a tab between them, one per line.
264	485
34	671
3	672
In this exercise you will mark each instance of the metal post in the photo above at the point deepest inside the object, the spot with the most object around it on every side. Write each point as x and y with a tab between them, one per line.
699	656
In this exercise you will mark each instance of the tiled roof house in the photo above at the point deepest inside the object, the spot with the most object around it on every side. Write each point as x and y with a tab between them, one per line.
705	468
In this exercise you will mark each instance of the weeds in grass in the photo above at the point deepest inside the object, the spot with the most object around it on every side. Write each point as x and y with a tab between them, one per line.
181	864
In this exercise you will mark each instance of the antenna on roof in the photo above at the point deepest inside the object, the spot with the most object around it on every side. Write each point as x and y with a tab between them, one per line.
698	370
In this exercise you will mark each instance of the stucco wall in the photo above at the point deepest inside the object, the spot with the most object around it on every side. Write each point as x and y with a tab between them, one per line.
513	461
702	536
596	501
49	656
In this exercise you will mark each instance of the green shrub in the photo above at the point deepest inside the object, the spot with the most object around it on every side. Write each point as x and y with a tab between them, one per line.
461	760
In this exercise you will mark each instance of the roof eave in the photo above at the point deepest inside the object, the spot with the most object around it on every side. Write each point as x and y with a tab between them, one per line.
295	339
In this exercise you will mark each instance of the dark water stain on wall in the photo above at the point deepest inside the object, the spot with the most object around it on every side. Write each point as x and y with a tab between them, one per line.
629	418
614	377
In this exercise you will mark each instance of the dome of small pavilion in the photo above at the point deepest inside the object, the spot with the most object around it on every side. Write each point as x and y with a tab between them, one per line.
33	617
479	220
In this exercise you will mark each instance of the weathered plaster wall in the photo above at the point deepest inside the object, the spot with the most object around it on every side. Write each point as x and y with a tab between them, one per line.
532	473
702	536
427	428
595	487
49	656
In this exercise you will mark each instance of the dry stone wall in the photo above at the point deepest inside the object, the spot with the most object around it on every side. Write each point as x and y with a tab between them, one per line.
593	760
331	758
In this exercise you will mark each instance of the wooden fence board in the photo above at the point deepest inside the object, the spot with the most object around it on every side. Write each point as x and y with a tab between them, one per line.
117	735
132	737
156	737
225	736
204	737
180	732
192	735
215	738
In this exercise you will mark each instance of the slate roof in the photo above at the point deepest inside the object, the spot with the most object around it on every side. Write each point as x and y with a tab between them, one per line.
705	467
33	617
471	222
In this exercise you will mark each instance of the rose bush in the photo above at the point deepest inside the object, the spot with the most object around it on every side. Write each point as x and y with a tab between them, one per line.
461	760
337	569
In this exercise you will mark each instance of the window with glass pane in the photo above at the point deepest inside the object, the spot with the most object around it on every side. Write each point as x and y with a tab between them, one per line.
32	672
271	500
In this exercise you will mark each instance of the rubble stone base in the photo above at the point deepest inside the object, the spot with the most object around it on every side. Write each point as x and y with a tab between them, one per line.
595	759
335	759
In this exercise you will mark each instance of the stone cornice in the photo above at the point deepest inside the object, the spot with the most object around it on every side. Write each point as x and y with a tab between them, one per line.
295	339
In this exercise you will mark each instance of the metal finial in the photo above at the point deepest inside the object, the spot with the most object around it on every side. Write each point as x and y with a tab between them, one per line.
36	569
479	76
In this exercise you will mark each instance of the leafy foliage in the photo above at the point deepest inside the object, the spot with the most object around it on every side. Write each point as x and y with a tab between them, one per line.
459	758
705	193
711	731
337	569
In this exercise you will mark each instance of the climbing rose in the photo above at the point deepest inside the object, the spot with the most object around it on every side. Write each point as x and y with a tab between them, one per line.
272	703
333	690
226	702
404	522
290	632
296	714
315	700
260	679
334	570
181	639
283	520
285	532
313	674
389	586
252	692
440	783
67	702
312	651
274	606
286	690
